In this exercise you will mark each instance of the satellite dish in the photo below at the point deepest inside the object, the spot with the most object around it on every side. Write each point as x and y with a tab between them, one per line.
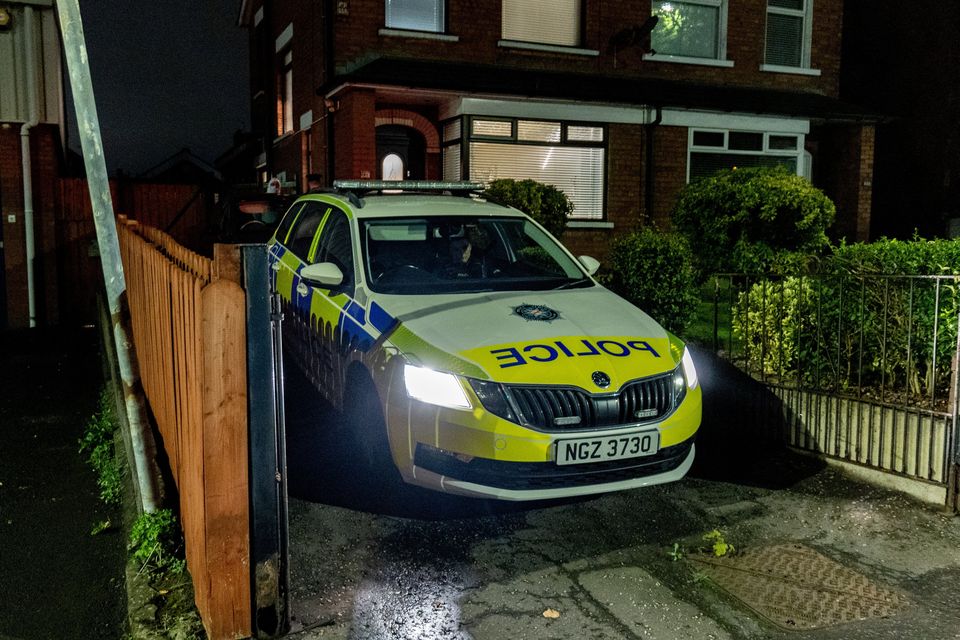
636	35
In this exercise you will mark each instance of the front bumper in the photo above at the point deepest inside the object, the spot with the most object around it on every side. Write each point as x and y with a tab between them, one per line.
543	481
475	453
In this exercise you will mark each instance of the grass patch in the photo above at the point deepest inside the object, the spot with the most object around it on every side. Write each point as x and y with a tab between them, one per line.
97	443
713	308
156	543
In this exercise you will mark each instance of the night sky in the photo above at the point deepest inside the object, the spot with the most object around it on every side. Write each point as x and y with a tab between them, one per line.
166	75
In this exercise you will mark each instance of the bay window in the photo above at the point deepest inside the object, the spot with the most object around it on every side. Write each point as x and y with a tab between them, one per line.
569	156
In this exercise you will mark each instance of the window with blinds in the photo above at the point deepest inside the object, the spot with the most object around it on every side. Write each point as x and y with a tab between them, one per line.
788	33
570	157
415	15
451	163
577	171
712	150
691	28
556	22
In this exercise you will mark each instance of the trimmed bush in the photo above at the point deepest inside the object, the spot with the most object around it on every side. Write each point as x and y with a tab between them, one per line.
654	271
746	220
859	322
544	203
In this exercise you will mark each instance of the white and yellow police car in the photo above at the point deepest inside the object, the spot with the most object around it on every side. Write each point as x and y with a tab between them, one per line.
470	349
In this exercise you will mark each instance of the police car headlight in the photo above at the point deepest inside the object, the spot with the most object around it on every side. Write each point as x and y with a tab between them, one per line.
434	387
689	371
492	398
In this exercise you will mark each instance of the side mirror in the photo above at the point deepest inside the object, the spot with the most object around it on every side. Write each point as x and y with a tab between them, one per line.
323	274
590	264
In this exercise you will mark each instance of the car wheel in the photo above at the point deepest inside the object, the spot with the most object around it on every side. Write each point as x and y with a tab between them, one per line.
367	430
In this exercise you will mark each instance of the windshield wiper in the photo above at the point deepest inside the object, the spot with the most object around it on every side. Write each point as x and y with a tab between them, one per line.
572	283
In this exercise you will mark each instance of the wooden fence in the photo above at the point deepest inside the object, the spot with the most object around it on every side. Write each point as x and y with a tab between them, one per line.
155	205
190	335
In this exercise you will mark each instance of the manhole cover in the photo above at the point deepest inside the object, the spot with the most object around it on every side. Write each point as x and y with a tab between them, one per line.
797	588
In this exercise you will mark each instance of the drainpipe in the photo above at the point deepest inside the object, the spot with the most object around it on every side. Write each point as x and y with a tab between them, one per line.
25	157
147	481
648	173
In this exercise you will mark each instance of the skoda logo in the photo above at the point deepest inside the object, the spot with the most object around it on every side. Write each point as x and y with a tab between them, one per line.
536	312
601	379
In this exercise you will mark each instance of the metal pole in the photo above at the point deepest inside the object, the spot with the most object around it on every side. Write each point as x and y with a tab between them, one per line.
268	462
33	119
144	449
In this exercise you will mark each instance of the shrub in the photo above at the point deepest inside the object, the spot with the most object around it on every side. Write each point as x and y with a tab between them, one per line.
767	323
915	317
97	443
156	541
859	322
544	203
745	220
654	271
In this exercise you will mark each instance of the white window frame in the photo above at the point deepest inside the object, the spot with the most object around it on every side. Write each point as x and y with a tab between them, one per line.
467	137
805	14
797	154
390	29
575	47
721	59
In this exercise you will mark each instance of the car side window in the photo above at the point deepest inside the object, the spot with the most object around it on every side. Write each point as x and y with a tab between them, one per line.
302	233
336	246
288	219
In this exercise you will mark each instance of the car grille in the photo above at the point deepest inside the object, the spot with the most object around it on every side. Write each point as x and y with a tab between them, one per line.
568	409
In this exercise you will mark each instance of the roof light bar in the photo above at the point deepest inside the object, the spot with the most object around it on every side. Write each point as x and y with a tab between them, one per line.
407	185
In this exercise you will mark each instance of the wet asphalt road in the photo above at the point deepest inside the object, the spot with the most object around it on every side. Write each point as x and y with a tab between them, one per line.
56	579
416	564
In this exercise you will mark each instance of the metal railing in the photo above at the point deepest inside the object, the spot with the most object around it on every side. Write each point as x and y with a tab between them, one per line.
865	366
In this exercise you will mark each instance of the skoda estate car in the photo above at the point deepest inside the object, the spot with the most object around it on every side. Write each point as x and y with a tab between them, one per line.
465	347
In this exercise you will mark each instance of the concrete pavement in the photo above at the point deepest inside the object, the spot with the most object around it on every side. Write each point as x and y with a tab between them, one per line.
57	580
605	568
874	564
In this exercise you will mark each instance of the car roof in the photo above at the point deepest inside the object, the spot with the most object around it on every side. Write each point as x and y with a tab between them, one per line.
413	204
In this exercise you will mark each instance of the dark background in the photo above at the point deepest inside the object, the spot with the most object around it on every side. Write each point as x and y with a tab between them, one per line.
166	76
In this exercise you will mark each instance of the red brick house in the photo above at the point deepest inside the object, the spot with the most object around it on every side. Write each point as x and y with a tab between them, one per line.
588	95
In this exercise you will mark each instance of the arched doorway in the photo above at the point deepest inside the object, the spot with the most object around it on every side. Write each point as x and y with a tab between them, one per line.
401	153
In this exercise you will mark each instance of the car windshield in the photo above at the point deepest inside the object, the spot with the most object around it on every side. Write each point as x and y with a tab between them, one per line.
459	254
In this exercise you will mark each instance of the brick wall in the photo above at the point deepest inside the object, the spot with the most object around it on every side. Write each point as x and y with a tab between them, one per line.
355	144
670	170
843	168
45	163
477	24
626	185
11	203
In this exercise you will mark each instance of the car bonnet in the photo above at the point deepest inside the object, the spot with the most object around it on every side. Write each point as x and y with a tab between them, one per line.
549	337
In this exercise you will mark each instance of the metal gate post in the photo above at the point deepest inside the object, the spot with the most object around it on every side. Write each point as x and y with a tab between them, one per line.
953	442
268	460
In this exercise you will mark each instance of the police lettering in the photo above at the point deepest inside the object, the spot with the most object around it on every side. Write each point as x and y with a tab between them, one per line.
516	356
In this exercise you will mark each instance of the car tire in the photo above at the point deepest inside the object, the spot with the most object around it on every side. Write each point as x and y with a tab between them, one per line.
367	430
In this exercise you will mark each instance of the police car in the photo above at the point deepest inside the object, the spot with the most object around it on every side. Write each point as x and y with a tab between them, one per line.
467	348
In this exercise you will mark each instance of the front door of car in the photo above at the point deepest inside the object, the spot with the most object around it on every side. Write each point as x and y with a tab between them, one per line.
278	247
333	314
292	256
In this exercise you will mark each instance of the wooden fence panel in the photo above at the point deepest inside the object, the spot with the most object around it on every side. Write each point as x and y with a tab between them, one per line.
78	271
225	451
189	334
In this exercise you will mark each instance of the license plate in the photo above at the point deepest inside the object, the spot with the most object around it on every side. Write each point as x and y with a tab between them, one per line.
585	450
